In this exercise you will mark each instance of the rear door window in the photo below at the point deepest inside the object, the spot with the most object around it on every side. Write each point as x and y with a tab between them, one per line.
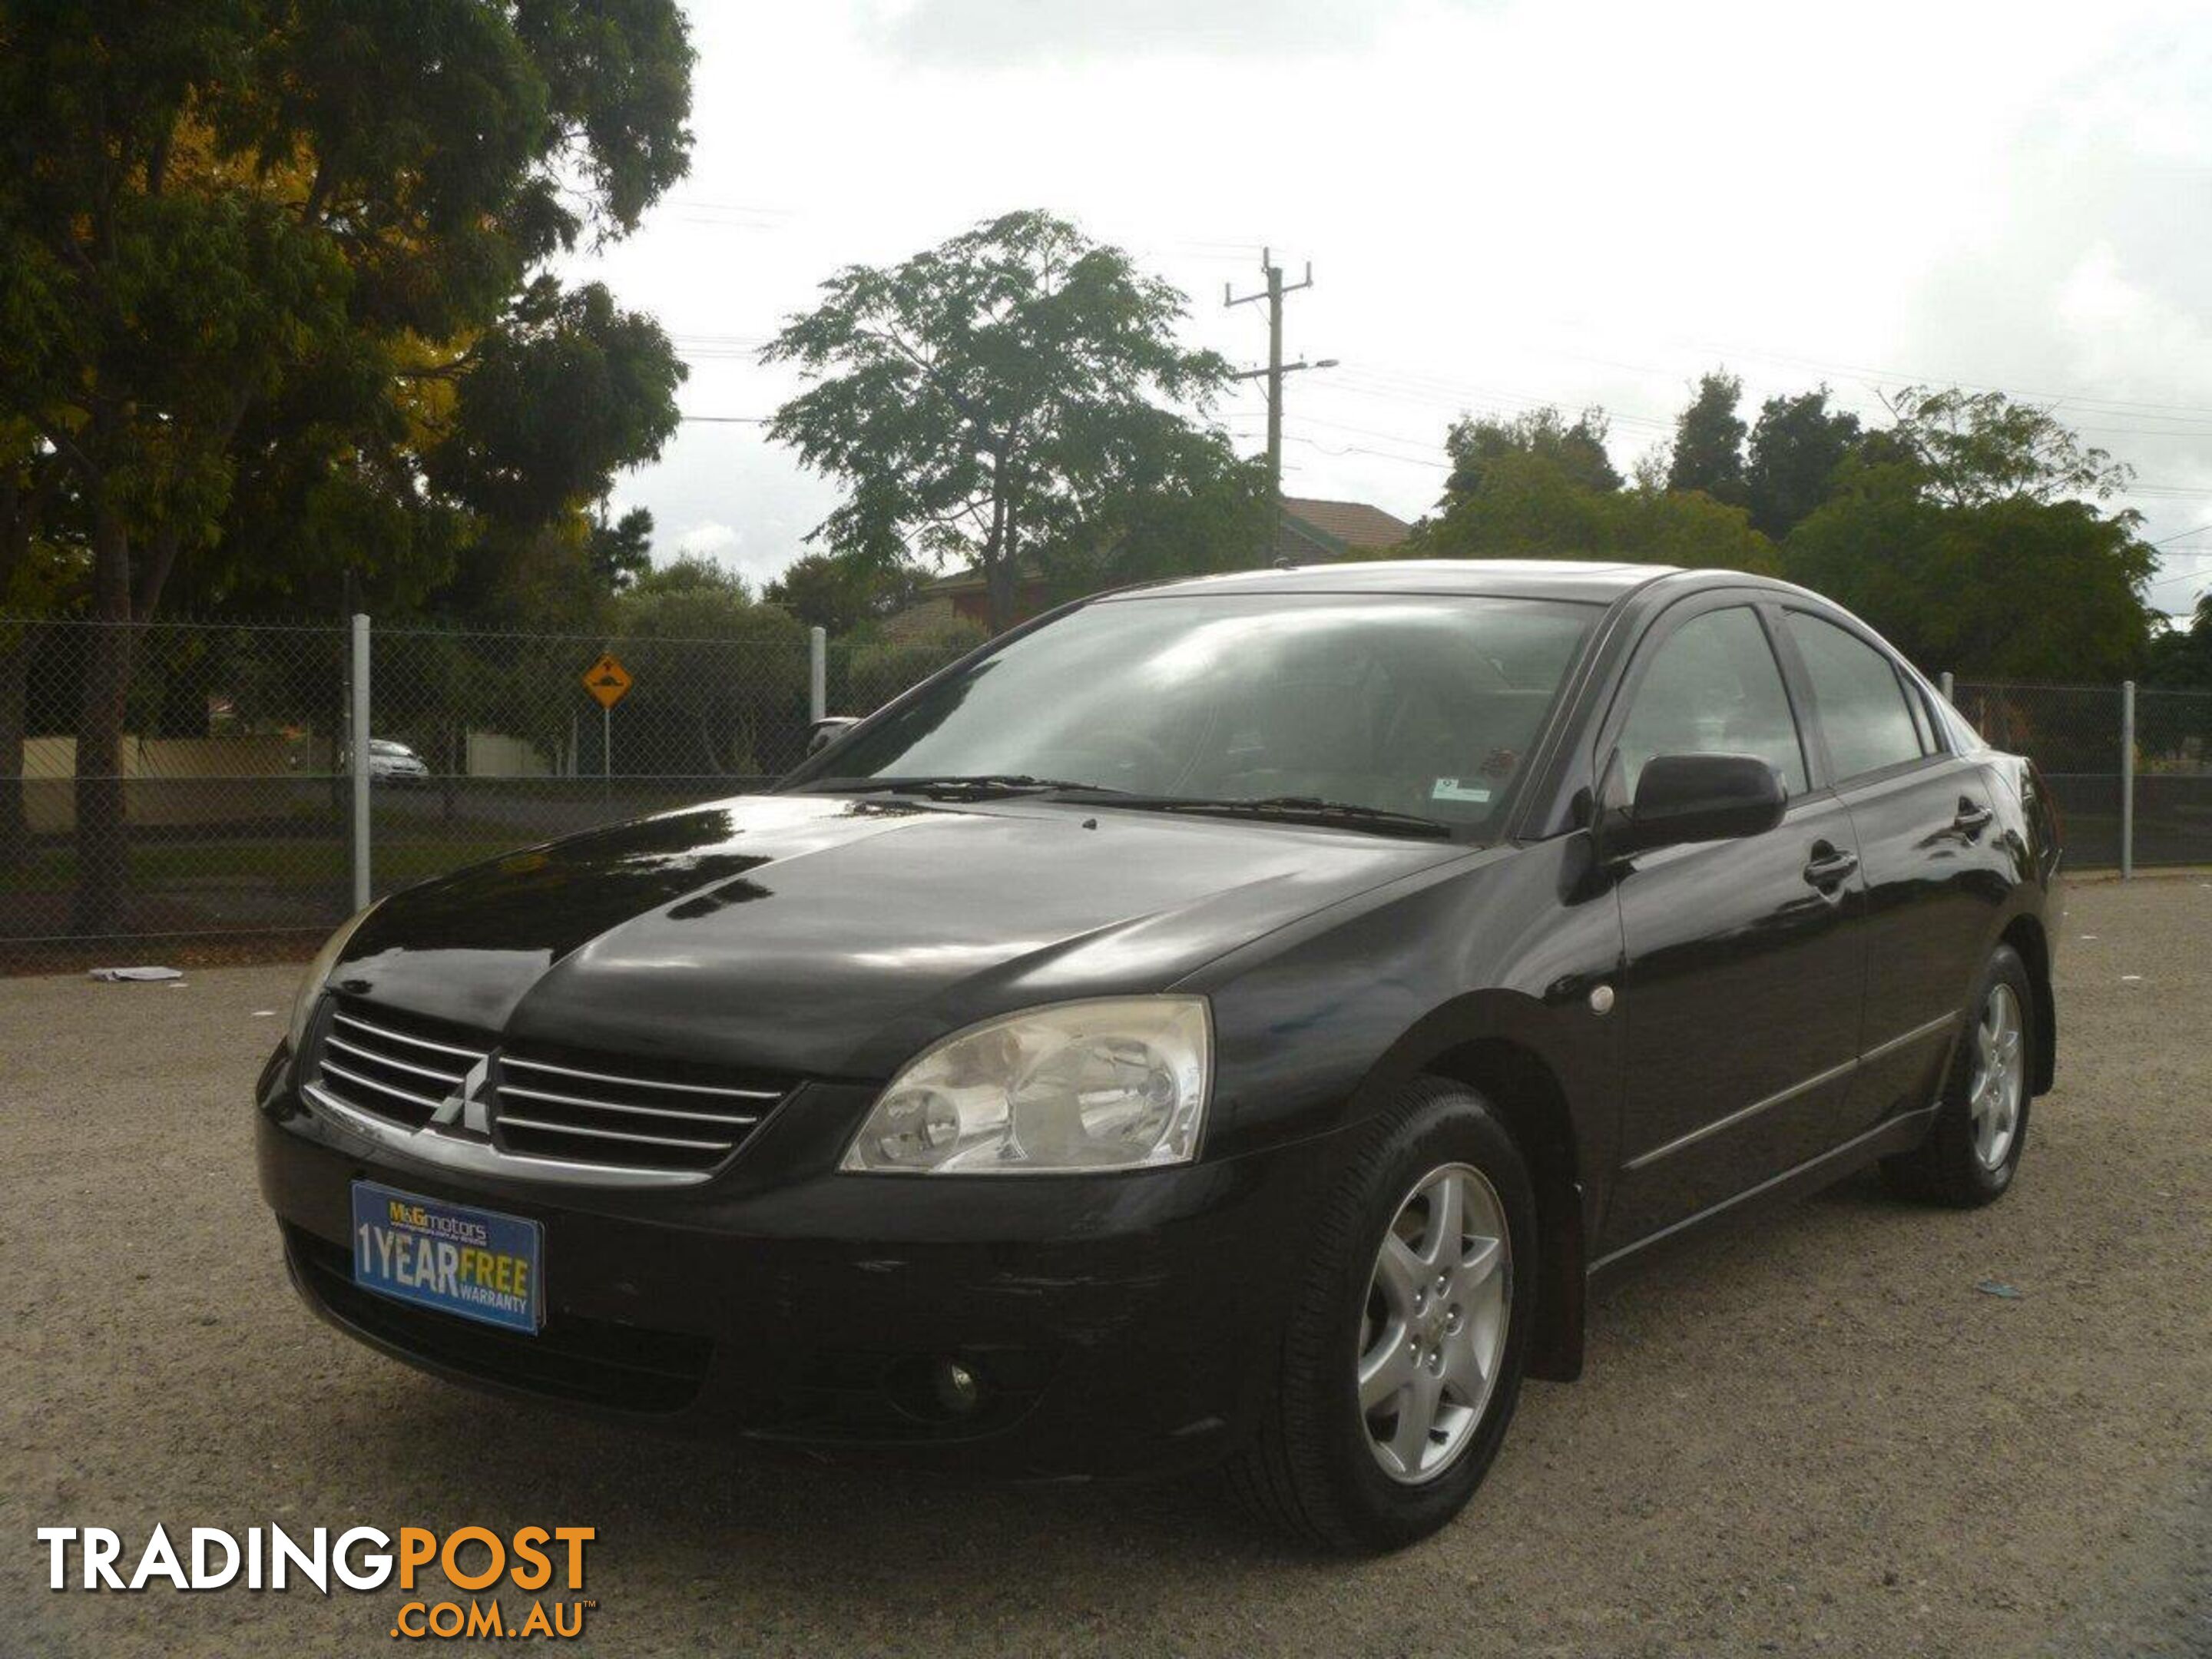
1858	697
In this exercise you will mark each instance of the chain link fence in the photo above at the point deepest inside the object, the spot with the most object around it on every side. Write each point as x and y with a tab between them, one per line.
2130	767
226	808
2073	733
212	795
205	798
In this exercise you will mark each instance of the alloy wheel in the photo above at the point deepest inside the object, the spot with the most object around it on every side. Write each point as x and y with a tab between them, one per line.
1999	1079
1433	1332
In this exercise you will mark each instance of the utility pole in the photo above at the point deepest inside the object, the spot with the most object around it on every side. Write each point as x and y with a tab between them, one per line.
1276	368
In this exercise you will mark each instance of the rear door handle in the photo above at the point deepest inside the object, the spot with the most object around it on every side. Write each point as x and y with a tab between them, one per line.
1829	866
1972	819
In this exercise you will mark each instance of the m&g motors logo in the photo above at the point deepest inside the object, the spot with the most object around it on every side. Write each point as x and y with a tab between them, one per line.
473	1559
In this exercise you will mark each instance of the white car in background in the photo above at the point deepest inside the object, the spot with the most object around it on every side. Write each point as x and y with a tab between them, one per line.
392	761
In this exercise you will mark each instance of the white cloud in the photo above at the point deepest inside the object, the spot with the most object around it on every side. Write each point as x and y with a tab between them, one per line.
994	33
728	546
708	540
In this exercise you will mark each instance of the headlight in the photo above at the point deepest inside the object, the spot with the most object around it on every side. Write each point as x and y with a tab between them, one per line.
319	972
1119	1084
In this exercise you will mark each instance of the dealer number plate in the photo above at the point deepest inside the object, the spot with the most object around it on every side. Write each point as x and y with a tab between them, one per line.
477	1263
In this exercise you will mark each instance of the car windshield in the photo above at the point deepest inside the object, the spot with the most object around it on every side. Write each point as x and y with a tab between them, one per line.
1413	704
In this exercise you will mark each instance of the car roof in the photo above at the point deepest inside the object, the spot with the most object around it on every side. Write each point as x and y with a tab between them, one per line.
1591	581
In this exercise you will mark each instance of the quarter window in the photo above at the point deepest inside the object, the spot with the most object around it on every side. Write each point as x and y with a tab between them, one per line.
1713	687
1860	704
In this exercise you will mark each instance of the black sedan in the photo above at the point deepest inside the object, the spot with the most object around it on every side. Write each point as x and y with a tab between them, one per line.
1233	1020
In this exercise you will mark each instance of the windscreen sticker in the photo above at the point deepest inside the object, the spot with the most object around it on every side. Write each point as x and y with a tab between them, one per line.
1454	789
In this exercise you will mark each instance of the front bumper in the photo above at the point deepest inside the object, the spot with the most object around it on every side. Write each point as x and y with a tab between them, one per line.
1117	1324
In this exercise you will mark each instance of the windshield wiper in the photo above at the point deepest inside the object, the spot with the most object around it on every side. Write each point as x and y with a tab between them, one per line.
953	784
1292	809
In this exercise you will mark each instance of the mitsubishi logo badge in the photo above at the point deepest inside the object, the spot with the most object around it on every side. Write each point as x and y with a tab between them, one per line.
466	1105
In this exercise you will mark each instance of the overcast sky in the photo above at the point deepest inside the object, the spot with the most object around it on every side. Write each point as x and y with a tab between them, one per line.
1504	205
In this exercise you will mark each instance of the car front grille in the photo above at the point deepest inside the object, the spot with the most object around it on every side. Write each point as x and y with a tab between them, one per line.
632	1116
532	1103
393	1067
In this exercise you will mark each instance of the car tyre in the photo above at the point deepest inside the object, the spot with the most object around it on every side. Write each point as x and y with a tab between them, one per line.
1342	1457
1973	1148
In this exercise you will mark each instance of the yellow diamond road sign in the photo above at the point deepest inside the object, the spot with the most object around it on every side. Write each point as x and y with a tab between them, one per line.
607	680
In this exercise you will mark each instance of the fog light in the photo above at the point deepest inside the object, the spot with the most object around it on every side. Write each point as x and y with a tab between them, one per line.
957	1391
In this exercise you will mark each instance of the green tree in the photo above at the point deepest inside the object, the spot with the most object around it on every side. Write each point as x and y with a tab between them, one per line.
620	551
1578	451
877	668
207	210
1796	446
1181	502
720	677
1708	441
1960	535
840	593
983	399
478	471
1528	488
1975	447
2182	654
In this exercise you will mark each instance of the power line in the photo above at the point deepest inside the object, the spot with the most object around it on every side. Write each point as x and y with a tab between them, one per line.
2193	530
2179	576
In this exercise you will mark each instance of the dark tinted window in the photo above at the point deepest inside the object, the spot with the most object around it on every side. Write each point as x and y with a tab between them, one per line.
1714	689
1863	710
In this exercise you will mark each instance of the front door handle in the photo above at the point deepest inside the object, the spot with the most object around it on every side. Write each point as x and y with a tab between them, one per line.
1973	817
1829	866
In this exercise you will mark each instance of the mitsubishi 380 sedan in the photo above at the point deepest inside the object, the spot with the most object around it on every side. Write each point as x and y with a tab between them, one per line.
1229	1022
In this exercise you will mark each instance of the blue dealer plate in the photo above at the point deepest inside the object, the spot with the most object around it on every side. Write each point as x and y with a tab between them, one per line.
477	1263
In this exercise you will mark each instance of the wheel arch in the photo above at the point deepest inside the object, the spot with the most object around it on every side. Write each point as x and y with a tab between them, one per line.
1526	1093
2025	935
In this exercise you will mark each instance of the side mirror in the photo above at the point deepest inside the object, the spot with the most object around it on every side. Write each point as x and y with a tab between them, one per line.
823	732
1686	798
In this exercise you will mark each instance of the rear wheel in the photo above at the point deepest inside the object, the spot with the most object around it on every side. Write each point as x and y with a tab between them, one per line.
1402	1362
1973	1149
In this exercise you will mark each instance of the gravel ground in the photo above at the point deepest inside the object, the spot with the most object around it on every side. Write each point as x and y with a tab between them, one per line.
1807	1433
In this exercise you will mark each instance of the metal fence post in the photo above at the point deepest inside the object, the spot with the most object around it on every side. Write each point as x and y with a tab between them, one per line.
2127	779
817	675
1943	685
358	722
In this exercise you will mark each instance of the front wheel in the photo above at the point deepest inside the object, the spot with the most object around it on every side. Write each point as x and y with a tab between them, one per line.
1973	1148
1402	1361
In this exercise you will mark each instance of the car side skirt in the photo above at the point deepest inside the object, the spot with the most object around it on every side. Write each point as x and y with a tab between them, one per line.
1897	1135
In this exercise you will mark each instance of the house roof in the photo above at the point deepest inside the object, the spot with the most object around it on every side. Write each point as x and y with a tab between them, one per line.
921	619
1346	524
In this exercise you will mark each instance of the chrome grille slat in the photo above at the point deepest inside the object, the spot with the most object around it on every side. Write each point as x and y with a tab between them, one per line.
472	1055
509	1120
727	1119
451	1079
377	1068
334	1069
515	1061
